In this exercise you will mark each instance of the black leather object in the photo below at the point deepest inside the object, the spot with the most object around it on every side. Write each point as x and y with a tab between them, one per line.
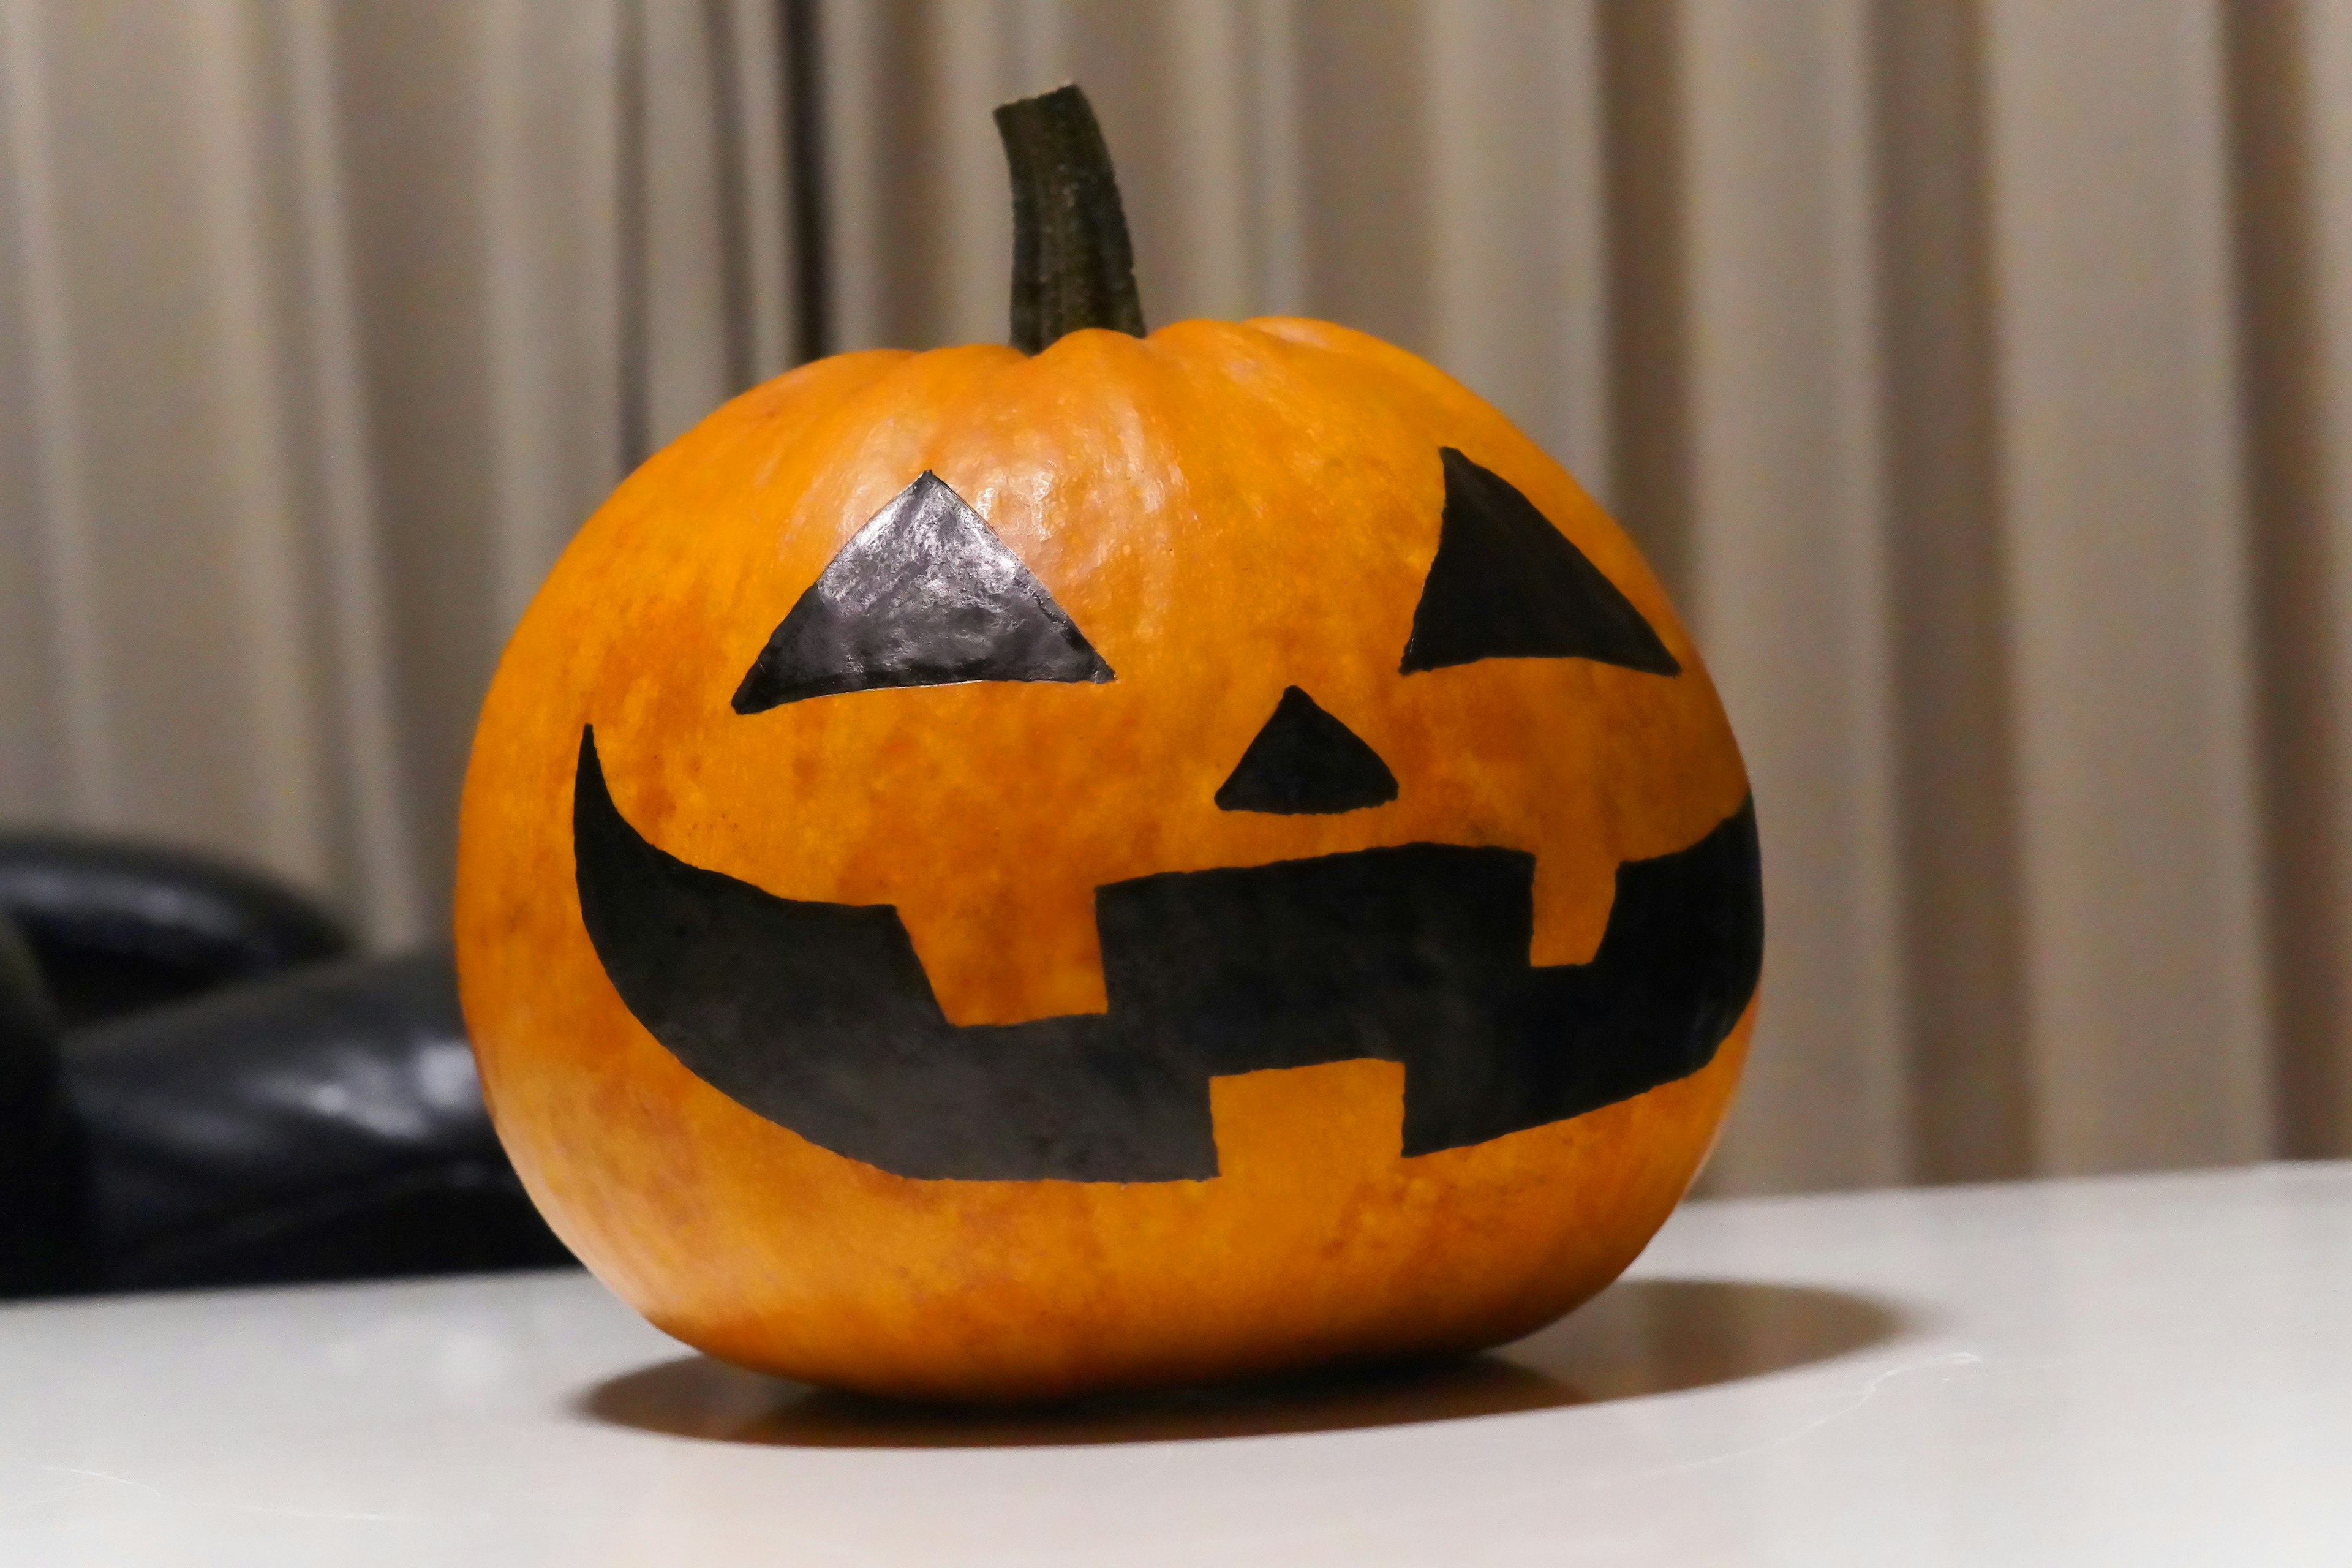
117	927
229	1109
325	1125
41	1230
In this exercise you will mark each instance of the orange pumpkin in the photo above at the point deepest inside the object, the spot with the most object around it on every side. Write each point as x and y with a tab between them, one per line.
998	874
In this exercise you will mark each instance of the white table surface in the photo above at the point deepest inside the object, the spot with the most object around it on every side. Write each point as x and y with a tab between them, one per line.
2140	1371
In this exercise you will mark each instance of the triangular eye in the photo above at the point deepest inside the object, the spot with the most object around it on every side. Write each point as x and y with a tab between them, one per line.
1509	585
924	594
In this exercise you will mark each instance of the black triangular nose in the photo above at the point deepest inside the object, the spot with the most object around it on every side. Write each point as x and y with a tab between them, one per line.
1303	761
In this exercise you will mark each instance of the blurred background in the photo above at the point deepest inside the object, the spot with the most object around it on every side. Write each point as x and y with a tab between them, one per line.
1979	372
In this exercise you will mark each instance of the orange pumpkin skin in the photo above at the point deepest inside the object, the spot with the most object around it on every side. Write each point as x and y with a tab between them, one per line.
1225	510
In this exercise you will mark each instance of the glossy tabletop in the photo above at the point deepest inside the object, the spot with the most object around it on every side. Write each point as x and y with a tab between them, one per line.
2143	1370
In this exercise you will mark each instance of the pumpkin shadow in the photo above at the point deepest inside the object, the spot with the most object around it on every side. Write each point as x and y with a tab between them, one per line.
1639	1338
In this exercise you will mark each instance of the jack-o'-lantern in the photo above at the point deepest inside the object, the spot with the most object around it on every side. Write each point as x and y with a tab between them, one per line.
1121	860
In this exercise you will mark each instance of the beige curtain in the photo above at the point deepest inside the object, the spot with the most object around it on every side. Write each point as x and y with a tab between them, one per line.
1978	371
321	326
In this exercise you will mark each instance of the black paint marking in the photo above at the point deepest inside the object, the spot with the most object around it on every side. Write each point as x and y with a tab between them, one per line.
1509	585
1305	762
820	1017
924	594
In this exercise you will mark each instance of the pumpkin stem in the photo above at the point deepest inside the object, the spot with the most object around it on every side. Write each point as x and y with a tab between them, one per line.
1072	264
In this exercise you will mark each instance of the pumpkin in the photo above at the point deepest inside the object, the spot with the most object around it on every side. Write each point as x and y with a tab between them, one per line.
1119	860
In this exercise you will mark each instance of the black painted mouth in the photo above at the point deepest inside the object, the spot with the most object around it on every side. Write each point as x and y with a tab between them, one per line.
821	1018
